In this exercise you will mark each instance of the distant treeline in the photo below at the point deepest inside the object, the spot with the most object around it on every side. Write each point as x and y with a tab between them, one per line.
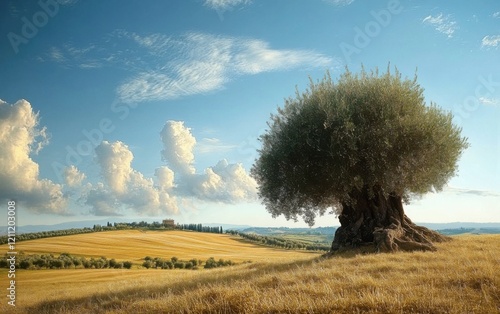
63	261
142	225
157	226
46	234
200	228
280	242
469	230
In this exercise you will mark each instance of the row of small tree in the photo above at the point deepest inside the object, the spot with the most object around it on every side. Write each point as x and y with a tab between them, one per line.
200	228
280	242
175	263
46	234
63	261
108	227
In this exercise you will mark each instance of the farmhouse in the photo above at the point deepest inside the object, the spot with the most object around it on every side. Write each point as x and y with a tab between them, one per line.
169	223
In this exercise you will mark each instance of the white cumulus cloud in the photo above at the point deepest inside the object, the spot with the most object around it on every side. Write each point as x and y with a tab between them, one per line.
125	187
165	178
223	182
20	137
115	160
122	188
73	177
178	143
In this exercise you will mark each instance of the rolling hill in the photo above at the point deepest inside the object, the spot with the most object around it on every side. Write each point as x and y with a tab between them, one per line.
461	277
134	245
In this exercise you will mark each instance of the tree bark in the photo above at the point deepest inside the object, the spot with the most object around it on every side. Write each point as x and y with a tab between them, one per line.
379	220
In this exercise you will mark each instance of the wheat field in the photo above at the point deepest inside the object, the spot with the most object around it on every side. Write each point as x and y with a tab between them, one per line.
134	245
463	276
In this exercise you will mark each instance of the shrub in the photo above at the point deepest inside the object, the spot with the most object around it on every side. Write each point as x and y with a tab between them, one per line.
158	262
56	263
147	264
210	263
68	263
179	265
127	264
40	262
77	262
194	262
188	265
25	264
86	264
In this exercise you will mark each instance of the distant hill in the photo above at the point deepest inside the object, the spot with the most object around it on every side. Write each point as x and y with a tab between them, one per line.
90	223
448	228
65	225
285	230
458	225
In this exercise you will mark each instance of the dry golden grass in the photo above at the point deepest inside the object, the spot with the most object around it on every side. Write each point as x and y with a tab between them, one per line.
463	276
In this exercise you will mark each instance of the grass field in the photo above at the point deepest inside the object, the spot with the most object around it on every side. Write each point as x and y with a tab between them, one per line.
134	245
461	277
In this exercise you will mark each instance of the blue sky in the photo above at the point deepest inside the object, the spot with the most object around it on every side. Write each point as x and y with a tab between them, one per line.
152	109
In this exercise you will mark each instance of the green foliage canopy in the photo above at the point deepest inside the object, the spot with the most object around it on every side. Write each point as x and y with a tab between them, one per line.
366	130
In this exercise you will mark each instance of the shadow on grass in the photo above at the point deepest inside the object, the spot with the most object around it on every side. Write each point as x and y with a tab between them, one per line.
120	300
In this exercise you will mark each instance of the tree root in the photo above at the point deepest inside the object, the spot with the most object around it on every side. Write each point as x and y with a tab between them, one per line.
406	237
380	220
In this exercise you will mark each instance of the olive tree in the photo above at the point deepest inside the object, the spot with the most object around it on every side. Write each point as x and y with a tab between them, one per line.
359	147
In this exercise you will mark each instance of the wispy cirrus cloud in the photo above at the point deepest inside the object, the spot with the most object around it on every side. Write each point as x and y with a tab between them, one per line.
489	101
168	67
441	23
461	191
69	56
496	15
223	5
212	144
198	63
339	3
490	41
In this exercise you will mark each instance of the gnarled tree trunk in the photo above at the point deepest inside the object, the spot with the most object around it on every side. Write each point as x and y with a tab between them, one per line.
375	218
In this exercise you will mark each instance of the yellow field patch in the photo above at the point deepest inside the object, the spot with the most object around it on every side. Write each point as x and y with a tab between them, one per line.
134	245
